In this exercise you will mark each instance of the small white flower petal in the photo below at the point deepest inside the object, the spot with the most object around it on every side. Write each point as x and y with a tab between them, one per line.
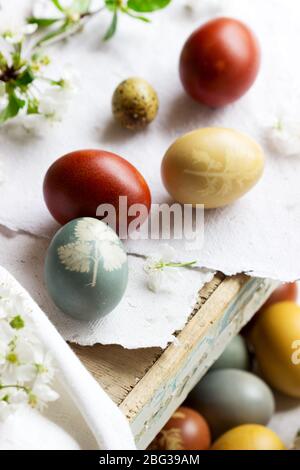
284	138
54	102
154	281
70	79
45	9
162	277
47	105
29	29
6	49
43	394
17	396
25	373
46	369
167	253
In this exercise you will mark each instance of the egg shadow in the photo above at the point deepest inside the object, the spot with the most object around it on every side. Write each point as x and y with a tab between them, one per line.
20	137
184	111
285	403
114	132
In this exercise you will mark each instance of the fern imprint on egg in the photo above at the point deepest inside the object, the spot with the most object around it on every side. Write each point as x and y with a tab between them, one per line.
93	243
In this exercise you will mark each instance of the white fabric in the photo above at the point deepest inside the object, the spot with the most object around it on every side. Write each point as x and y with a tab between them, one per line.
250	235
105	421
27	429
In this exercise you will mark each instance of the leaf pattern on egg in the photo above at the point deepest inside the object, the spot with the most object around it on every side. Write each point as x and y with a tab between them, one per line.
171	439
219	178
94	242
76	256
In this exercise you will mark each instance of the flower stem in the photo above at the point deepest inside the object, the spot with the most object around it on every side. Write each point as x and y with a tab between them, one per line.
18	387
162	265
180	265
67	30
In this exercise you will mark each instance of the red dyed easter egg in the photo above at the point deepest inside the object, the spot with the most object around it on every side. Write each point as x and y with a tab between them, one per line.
220	62
76	184
186	430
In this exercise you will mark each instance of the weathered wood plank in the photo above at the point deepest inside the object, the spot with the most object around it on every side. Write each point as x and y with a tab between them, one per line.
118	370
149	384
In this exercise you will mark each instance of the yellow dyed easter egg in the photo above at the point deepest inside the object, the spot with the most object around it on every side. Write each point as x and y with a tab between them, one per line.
275	336
249	437
212	166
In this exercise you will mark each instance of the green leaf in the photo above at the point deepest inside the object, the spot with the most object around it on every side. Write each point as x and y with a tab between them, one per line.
57	4
13	107
146	6
113	27
25	78
32	106
112	5
54	34
17	322
42	22
136	17
81	6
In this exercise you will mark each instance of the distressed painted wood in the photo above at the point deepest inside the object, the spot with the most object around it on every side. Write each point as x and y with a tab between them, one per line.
149	384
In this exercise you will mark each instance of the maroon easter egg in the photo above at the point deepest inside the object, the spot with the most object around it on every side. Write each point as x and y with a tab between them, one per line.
76	185
220	62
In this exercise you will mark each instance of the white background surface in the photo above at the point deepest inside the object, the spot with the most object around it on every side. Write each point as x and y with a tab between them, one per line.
250	235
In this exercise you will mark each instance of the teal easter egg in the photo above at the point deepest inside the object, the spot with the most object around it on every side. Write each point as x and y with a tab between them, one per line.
86	269
235	356
229	397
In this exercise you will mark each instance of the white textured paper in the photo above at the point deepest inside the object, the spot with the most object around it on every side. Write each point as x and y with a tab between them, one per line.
258	234
142	319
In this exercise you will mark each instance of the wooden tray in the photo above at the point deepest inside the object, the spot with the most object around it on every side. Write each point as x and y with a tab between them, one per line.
149	384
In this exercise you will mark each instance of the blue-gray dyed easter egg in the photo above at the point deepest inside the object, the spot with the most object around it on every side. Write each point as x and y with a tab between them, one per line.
229	397
86	269
235	356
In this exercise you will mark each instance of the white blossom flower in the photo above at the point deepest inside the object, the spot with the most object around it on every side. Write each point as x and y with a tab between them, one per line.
45	368
34	124
284	137
162	272
18	397
26	369
6	331
41	394
6	50
69	79
163	279
55	100
45	9
14	33
52	104
37	95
